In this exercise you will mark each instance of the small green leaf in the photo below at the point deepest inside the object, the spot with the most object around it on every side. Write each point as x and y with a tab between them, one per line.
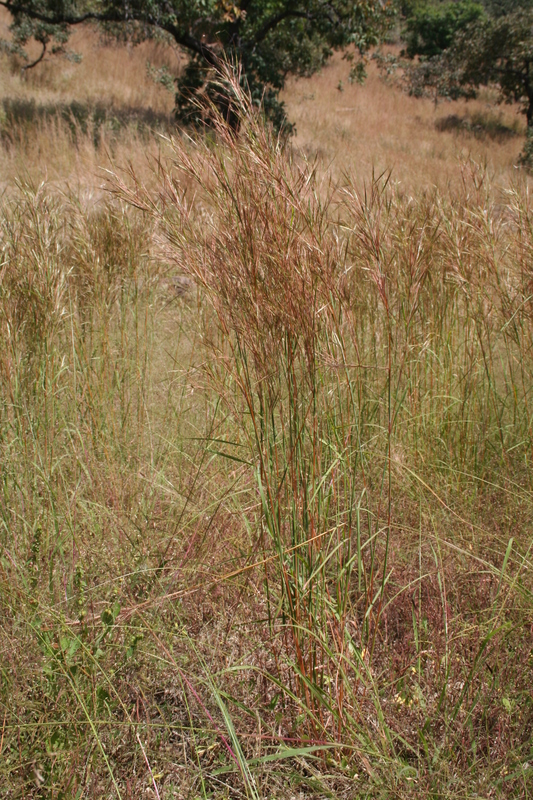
107	617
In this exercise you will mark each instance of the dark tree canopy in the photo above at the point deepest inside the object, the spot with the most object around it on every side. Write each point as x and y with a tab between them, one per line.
500	8
494	51
499	52
270	38
432	29
454	48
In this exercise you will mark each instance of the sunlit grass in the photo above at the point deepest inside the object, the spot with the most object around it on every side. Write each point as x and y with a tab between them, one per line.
265	490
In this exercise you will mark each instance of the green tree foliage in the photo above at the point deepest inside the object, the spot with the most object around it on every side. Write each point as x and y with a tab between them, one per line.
271	39
500	8
488	50
432	29
500	52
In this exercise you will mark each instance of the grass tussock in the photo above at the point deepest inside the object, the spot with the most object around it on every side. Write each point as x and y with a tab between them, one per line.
266	490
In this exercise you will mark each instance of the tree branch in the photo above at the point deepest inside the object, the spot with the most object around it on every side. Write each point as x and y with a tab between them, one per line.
273	22
183	38
37	60
18	8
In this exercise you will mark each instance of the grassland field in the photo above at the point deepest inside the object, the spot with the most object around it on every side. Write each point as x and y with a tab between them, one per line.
265	441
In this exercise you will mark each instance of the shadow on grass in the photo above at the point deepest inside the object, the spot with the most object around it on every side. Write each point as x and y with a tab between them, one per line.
20	115
482	126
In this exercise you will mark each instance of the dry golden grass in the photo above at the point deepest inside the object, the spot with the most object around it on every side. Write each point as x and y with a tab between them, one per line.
358	129
289	510
111	73
266	494
377	126
112	76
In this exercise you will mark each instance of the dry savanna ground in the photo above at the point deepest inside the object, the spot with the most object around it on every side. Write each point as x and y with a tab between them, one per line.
266	441
359	129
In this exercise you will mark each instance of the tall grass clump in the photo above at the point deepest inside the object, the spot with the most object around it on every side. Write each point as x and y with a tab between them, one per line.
265	501
84	320
264	256
371	352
